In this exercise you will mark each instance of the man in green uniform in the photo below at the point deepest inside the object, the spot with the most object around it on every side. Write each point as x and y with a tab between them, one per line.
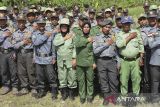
77	26
95	30
131	51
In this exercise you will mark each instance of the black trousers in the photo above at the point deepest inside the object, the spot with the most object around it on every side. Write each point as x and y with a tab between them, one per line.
108	75
146	80
8	70
155	79
46	73
26	70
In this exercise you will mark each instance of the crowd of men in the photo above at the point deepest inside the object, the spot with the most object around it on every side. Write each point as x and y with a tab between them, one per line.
47	49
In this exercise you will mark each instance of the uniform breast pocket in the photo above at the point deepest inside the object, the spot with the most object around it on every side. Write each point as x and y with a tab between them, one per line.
69	44
135	43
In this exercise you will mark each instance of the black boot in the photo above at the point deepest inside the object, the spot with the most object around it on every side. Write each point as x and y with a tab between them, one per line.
89	100
105	99
41	93
82	100
64	93
71	93
54	93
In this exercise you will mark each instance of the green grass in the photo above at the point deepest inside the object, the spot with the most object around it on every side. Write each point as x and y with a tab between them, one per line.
10	100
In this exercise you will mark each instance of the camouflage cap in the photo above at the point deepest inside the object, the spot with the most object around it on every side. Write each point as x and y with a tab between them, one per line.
152	14
54	15
91	10
146	4
4	8
108	10
49	9
119	7
125	10
41	21
31	12
118	16
21	17
113	8
106	22
99	14
83	17
64	21
142	16
33	6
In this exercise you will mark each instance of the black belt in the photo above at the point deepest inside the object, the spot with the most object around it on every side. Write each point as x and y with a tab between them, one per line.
6	51
129	59
106	58
26	50
43	55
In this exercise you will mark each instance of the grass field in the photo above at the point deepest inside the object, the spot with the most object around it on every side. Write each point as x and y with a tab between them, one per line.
10	100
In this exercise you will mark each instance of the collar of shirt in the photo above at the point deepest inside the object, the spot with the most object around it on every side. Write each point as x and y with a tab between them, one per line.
4	29
106	36
24	31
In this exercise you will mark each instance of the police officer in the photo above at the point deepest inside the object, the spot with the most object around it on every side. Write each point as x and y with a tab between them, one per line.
24	48
142	21
3	10
152	22
108	13
131	51
66	59
54	25
105	51
95	30
30	19
119	9
7	55
146	6
45	59
92	13
13	16
154	41
125	12
118	27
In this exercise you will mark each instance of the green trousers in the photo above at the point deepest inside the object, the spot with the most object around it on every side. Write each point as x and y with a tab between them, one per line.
85	76
67	77
130	69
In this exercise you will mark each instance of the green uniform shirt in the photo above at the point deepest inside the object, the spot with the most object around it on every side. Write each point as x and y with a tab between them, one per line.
77	31
134	46
84	51
95	30
65	50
